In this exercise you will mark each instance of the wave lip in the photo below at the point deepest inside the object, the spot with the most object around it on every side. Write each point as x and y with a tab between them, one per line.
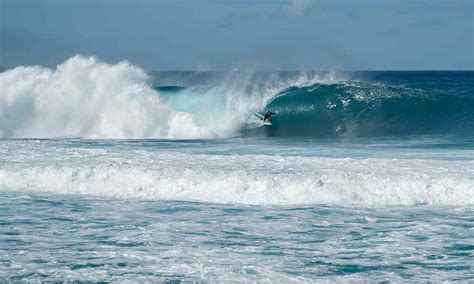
251	179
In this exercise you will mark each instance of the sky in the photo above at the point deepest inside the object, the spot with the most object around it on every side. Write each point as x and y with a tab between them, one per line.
227	34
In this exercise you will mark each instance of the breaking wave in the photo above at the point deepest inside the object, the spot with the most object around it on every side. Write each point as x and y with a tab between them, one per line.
86	98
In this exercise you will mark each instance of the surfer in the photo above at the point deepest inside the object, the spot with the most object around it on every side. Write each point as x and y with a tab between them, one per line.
267	116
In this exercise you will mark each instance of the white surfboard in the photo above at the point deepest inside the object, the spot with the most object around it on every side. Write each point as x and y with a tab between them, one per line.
260	117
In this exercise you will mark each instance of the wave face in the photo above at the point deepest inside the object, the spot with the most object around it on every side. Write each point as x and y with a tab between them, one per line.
363	109
86	98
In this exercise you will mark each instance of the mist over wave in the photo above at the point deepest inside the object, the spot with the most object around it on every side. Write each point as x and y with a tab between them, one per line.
86	98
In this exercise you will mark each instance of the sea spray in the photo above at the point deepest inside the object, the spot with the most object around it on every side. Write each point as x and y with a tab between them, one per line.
88	99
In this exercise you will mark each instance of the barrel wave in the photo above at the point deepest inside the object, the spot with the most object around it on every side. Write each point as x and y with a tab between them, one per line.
364	109
86	98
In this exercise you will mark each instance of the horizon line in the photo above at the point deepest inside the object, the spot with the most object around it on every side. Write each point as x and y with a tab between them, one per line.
280	70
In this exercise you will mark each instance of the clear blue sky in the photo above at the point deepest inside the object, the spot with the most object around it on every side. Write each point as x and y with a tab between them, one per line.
267	35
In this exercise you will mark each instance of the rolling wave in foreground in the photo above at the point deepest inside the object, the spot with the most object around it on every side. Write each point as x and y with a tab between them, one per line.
109	173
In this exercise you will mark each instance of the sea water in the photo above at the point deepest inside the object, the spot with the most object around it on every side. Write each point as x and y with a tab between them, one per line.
108	172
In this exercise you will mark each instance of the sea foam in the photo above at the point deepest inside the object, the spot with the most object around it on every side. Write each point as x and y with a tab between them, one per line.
241	179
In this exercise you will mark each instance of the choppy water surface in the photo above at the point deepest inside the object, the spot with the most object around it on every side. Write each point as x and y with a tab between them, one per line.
58	237
382	210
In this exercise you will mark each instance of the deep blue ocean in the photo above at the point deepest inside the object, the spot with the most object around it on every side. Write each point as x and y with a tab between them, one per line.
112	173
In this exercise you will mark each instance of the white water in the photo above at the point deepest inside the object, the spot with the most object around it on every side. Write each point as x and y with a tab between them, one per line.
242	179
86	98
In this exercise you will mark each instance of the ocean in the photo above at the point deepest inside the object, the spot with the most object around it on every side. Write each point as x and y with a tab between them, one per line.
109	172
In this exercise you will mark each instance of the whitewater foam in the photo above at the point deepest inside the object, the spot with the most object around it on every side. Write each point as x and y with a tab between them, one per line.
241	179
86	98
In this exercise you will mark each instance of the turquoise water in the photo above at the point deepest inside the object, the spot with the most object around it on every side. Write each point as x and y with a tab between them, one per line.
109	173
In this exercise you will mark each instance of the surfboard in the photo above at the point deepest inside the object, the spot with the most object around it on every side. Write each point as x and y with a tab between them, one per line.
260	117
